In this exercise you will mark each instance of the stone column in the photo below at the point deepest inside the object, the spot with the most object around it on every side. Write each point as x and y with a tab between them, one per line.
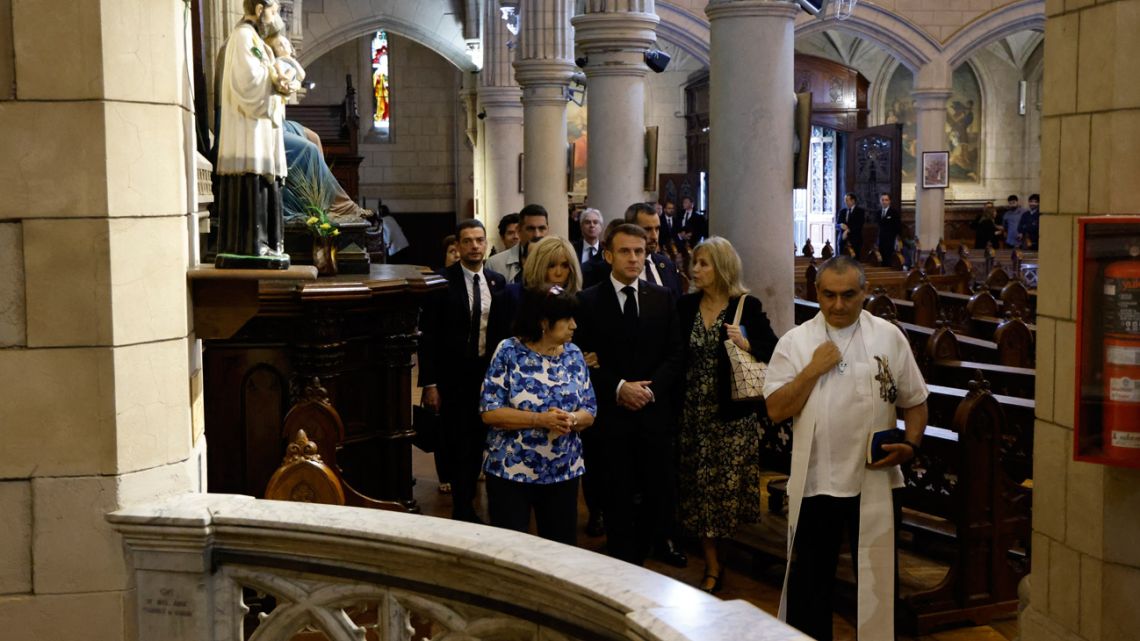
751	118
614	36
97	364
931	91
501	144
544	62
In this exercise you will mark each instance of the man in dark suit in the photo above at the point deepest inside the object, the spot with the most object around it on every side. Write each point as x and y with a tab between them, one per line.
632	327
670	225
453	360
590	243
694	225
659	268
849	225
890	226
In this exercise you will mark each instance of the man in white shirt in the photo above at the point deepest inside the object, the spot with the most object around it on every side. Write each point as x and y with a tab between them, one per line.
840	377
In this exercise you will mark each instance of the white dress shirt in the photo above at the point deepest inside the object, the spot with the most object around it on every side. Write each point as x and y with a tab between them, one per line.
484	302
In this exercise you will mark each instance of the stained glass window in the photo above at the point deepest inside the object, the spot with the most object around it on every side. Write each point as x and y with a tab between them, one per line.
381	118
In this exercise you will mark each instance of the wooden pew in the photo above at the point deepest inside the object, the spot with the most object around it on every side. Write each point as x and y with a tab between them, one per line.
308	471
958	486
1016	430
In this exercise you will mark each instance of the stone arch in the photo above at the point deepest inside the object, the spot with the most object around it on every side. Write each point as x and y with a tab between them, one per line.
1023	15
430	23
687	31
902	39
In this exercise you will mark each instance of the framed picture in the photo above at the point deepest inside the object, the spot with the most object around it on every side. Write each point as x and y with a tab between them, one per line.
935	169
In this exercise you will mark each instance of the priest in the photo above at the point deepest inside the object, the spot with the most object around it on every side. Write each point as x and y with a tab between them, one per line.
251	167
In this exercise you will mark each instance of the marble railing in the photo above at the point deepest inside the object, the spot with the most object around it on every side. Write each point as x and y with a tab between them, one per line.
227	568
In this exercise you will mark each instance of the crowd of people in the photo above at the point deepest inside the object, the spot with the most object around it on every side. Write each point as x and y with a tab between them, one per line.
601	362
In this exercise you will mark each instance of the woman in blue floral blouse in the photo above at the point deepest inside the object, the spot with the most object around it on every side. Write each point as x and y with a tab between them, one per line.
536	398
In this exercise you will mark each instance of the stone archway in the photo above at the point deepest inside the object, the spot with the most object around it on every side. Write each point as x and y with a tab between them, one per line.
1024	15
906	42
431	23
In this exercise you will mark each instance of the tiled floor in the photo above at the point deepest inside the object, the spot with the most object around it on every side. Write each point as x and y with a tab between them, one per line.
748	577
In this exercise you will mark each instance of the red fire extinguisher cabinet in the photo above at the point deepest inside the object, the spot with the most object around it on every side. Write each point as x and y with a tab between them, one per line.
1107	414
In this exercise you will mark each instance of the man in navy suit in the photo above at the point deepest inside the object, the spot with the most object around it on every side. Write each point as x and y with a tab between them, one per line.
890	226
849	225
659	269
589	245
632	327
453	360
694	225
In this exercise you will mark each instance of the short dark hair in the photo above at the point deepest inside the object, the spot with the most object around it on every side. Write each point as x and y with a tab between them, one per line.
1012	197
533	210
1036	197
884	193
470	223
618	227
448	241
840	263
852	196
507	221
633	210
548	303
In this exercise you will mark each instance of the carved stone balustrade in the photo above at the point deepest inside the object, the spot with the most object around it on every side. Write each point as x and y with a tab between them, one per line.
227	568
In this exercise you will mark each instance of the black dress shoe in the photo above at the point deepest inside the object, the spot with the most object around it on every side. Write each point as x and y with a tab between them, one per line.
669	553
717	583
595	526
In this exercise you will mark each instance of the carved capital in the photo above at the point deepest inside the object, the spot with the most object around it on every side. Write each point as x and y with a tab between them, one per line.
729	9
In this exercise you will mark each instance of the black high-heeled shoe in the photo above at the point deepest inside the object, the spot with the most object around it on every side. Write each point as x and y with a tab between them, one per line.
717	582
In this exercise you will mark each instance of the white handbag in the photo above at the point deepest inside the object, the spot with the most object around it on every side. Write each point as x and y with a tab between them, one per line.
746	372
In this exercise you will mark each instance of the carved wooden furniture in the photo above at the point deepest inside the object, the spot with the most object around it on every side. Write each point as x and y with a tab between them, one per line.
304	475
264	340
959	476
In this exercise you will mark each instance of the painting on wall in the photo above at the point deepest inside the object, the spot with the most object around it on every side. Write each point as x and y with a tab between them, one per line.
963	122
576	137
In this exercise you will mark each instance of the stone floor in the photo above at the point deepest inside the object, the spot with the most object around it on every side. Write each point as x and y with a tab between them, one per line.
749	576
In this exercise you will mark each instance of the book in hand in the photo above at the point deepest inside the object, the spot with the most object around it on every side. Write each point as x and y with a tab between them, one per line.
875	451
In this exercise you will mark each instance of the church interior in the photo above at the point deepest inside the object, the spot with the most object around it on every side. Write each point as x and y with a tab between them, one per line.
151	402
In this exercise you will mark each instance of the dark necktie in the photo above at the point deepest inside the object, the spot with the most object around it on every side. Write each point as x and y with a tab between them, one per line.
629	310
593	250
476	316
649	275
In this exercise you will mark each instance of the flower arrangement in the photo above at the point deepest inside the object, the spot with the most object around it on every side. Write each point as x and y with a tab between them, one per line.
315	197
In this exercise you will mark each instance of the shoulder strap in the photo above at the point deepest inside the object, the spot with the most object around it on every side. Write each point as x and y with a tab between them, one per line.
739	308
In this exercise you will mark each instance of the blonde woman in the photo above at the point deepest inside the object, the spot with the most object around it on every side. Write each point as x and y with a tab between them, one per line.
719	445
550	261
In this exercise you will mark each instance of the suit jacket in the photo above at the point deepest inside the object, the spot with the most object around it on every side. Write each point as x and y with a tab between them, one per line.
669	231
854	219
578	244
652	352
598	270
445	323
890	226
761	342
698	226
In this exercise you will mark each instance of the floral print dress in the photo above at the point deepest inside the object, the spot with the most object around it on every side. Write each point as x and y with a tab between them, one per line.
719	460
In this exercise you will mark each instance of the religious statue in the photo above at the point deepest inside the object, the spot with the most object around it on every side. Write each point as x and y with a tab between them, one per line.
251	166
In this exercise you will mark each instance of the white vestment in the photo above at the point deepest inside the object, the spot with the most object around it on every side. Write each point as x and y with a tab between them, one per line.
250	137
883	343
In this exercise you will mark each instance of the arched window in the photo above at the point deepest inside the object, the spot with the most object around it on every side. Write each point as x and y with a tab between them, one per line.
963	122
381	116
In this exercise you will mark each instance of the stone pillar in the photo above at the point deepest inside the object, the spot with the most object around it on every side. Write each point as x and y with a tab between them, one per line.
501	144
751	115
1086	564
97	359
544	62
614	36
930	117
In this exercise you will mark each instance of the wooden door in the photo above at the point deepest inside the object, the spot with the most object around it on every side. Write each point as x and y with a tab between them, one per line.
874	164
